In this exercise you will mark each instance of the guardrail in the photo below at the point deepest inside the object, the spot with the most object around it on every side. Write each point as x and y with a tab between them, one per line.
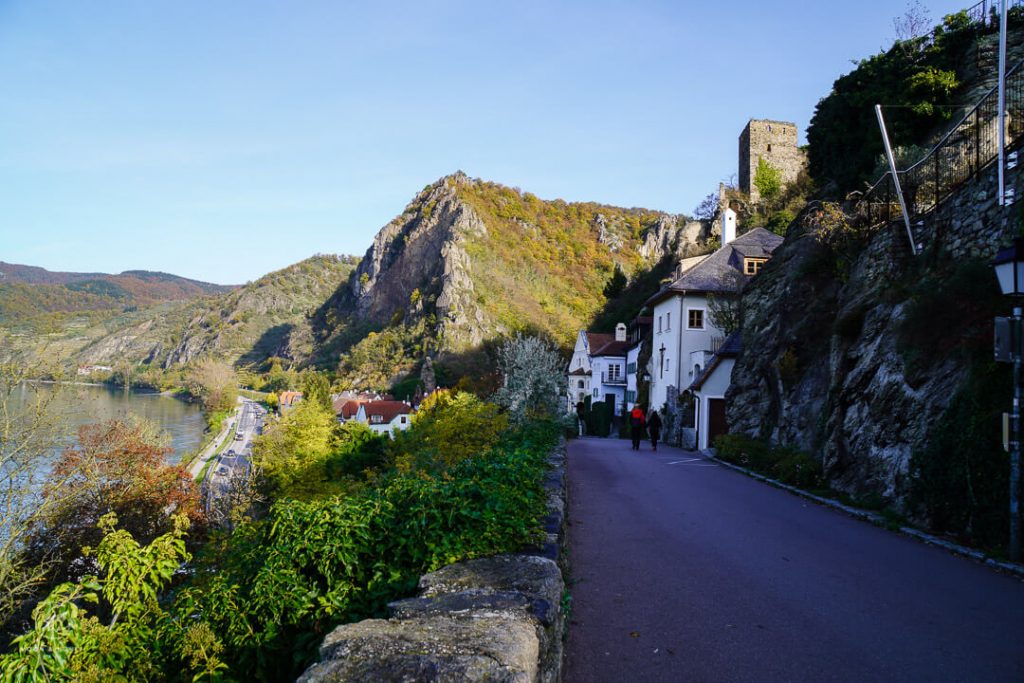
971	145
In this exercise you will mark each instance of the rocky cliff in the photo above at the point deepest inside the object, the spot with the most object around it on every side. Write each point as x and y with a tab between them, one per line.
856	354
468	261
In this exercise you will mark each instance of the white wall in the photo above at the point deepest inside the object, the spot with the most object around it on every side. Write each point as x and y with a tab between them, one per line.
714	386
680	343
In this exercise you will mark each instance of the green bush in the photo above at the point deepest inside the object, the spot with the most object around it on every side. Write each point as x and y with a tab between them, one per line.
281	584
785	463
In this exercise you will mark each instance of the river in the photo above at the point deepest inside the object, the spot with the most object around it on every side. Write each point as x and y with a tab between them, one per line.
87	404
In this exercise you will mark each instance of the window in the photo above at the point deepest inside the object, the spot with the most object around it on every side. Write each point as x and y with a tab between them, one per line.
668	321
579	384
376	419
614	372
668	362
695	319
659	324
630	397
402	420
595	393
631	369
752	266
769	147
696	370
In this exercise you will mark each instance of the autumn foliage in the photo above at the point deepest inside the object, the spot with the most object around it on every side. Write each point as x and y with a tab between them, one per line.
115	467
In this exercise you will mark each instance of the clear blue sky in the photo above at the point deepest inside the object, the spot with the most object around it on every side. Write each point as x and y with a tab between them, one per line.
221	140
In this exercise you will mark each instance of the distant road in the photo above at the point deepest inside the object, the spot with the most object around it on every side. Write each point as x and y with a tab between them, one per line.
684	570
236	457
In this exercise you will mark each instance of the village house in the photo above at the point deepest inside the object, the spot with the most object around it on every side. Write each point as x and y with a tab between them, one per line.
708	393
380	415
685	336
635	336
597	368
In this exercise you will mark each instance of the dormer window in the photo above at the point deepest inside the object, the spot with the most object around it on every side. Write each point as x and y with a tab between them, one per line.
376	419
752	266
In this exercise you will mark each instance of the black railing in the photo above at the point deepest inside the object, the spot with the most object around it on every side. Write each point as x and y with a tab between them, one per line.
971	145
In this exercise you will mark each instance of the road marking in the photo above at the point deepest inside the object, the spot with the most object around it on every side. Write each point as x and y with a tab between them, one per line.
677	462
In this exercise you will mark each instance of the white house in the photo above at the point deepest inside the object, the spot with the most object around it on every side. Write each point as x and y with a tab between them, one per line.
685	338
636	336
384	417
709	392
597	368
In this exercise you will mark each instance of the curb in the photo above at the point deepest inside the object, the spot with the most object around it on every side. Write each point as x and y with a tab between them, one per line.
1009	567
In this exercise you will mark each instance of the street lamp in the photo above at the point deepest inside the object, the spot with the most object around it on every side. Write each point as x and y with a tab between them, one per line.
1009	267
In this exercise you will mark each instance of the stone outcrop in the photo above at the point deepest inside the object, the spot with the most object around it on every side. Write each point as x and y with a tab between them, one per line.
821	367
489	619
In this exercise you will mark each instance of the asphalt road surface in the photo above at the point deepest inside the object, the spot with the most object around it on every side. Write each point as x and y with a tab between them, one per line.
683	570
235	458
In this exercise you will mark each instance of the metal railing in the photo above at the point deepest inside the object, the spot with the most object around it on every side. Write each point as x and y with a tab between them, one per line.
971	145
613	379
986	12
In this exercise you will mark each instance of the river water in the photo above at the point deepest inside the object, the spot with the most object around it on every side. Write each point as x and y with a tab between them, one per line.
81	404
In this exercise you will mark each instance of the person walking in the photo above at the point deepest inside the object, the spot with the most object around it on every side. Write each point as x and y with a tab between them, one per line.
654	428
636	423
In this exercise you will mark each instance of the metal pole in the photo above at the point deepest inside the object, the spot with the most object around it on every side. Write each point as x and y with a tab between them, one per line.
1015	443
895	178
1002	101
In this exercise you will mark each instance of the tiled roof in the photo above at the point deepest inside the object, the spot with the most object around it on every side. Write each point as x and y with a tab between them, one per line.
718	272
346	408
612	348
388	410
596	340
580	371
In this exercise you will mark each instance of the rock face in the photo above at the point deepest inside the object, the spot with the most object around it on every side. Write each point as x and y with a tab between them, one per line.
489	619
822	368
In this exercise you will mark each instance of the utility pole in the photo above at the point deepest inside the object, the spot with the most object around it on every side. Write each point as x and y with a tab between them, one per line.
895	178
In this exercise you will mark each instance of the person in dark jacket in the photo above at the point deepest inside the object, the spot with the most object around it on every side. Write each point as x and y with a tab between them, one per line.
636	423
654	428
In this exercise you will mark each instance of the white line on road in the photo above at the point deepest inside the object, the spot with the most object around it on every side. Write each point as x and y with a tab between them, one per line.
677	462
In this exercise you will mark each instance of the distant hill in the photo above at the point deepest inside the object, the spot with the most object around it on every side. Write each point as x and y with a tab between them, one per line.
244	326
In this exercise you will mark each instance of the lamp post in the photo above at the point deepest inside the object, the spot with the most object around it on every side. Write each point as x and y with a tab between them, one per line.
1009	267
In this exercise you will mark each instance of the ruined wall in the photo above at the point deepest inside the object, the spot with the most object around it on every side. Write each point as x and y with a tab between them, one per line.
776	143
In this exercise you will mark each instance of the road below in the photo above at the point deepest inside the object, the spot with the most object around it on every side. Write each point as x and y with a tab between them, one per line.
683	570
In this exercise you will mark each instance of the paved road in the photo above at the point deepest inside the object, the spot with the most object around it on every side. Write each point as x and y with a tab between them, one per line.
688	571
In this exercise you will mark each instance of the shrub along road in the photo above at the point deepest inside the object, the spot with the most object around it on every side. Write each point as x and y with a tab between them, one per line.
685	570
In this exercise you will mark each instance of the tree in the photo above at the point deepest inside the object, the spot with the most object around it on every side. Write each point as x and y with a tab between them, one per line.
115	467
914	23
214	383
767	180
31	430
708	207
316	387
66	643
449	427
532	374
292	453
616	283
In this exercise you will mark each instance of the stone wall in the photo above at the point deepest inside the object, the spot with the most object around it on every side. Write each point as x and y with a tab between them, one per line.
822	367
490	619
776	143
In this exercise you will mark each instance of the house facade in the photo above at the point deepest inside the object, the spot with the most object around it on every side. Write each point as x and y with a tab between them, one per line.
685	335
708	391
597	368
385	417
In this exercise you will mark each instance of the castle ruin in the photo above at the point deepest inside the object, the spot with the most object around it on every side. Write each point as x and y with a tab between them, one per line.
775	142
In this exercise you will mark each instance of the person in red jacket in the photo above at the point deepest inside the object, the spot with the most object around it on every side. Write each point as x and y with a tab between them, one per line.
636	422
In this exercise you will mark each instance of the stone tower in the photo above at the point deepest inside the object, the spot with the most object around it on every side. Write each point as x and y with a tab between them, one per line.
773	141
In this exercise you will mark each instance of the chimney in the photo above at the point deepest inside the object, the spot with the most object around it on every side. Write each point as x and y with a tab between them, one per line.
728	226
620	332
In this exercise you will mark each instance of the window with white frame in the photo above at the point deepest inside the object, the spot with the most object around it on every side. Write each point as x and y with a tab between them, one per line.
695	319
668	321
595	392
614	372
659	324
